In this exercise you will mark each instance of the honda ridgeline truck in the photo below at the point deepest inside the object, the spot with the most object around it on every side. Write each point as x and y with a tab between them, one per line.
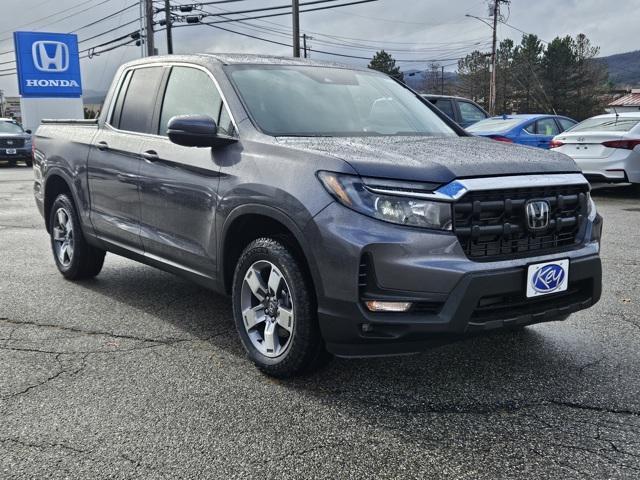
341	211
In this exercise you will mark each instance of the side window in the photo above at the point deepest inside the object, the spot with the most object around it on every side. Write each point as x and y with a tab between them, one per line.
117	109
547	126
140	100
470	113
566	124
531	128
189	92
445	105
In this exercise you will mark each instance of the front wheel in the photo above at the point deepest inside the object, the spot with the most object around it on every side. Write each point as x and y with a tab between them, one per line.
74	257
274	310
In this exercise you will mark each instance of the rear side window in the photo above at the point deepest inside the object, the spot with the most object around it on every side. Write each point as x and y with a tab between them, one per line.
566	124
547	126
470	113
140	99
190	92
445	105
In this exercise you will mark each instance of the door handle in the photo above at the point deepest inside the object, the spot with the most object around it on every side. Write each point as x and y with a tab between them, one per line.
102	146
150	155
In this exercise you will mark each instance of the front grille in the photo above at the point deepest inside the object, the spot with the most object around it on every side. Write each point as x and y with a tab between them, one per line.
492	224
11	142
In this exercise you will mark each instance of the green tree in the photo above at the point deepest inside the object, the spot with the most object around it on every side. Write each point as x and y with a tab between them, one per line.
473	77
590	79
504	77
558	64
529	95
385	63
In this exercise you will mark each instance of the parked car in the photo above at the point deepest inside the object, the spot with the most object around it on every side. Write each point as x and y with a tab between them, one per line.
461	110
606	147
15	143
340	212
533	130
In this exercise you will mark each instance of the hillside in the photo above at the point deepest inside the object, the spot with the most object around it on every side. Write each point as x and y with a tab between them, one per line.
624	68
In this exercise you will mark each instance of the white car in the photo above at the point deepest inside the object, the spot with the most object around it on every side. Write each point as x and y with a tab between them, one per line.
605	147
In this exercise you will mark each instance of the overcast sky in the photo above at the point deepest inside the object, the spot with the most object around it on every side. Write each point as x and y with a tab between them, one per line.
411	29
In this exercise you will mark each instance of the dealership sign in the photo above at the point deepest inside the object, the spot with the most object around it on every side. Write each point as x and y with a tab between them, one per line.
48	64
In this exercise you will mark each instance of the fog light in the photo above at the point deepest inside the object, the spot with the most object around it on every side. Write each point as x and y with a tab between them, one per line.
377	306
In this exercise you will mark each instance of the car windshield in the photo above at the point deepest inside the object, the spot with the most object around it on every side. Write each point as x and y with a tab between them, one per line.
494	125
606	124
286	100
10	127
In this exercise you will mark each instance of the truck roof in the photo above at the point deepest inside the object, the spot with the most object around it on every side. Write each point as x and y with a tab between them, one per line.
241	59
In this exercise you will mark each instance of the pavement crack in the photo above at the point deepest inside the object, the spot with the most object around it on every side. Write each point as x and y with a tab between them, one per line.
92	332
594	408
72	372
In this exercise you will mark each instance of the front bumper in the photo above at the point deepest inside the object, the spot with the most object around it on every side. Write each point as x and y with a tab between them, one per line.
21	154
452	295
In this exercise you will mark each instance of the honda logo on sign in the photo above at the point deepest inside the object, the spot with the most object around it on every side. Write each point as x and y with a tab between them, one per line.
50	56
537	215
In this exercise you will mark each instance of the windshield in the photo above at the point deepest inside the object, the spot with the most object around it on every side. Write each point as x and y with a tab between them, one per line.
10	127
288	100
606	124
494	125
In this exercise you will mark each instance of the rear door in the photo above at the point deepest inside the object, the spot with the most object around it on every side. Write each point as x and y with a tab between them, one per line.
469	113
114	160
539	133
446	106
179	184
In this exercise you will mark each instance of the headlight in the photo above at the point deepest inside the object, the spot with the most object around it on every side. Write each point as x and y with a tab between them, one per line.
351	192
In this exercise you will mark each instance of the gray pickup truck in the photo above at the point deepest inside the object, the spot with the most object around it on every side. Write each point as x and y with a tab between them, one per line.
342	212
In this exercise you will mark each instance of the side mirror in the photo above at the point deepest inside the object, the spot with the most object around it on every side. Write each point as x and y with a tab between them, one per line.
28	131
196	131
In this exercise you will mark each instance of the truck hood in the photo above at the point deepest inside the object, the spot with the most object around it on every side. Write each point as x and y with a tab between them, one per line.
434	159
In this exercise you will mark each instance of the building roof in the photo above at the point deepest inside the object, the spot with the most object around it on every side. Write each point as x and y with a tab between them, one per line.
629	100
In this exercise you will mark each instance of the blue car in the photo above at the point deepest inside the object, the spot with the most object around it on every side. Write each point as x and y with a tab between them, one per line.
534	130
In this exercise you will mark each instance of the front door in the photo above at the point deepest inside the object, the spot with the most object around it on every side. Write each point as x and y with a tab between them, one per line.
179	184
114	160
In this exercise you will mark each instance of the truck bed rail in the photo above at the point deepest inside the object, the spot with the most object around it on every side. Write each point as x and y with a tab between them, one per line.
72	121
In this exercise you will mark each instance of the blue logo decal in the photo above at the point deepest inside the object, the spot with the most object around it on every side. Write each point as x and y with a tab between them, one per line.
548	278
48	64
451	189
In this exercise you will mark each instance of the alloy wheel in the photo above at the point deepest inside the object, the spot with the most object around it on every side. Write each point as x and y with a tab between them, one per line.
63	237
267	309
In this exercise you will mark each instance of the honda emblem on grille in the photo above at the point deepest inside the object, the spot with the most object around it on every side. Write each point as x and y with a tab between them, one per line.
537	215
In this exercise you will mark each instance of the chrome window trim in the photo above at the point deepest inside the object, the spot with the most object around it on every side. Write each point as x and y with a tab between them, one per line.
457	188
116	92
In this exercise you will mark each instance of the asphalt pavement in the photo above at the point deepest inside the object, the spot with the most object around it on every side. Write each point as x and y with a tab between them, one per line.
139	374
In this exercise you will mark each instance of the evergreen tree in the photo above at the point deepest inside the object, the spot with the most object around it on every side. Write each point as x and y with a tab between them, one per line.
383	62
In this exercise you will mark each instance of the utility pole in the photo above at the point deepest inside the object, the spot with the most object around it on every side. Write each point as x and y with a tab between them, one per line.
167	17
492	84
442	80
148	30
1	103
304	44
295	10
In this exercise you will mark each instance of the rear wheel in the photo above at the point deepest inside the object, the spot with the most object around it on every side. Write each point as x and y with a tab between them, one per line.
28	162
74	257
12	163
274	310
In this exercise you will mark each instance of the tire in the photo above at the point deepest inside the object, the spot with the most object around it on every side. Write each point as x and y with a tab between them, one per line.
74	257
12	163
288	312
28	162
